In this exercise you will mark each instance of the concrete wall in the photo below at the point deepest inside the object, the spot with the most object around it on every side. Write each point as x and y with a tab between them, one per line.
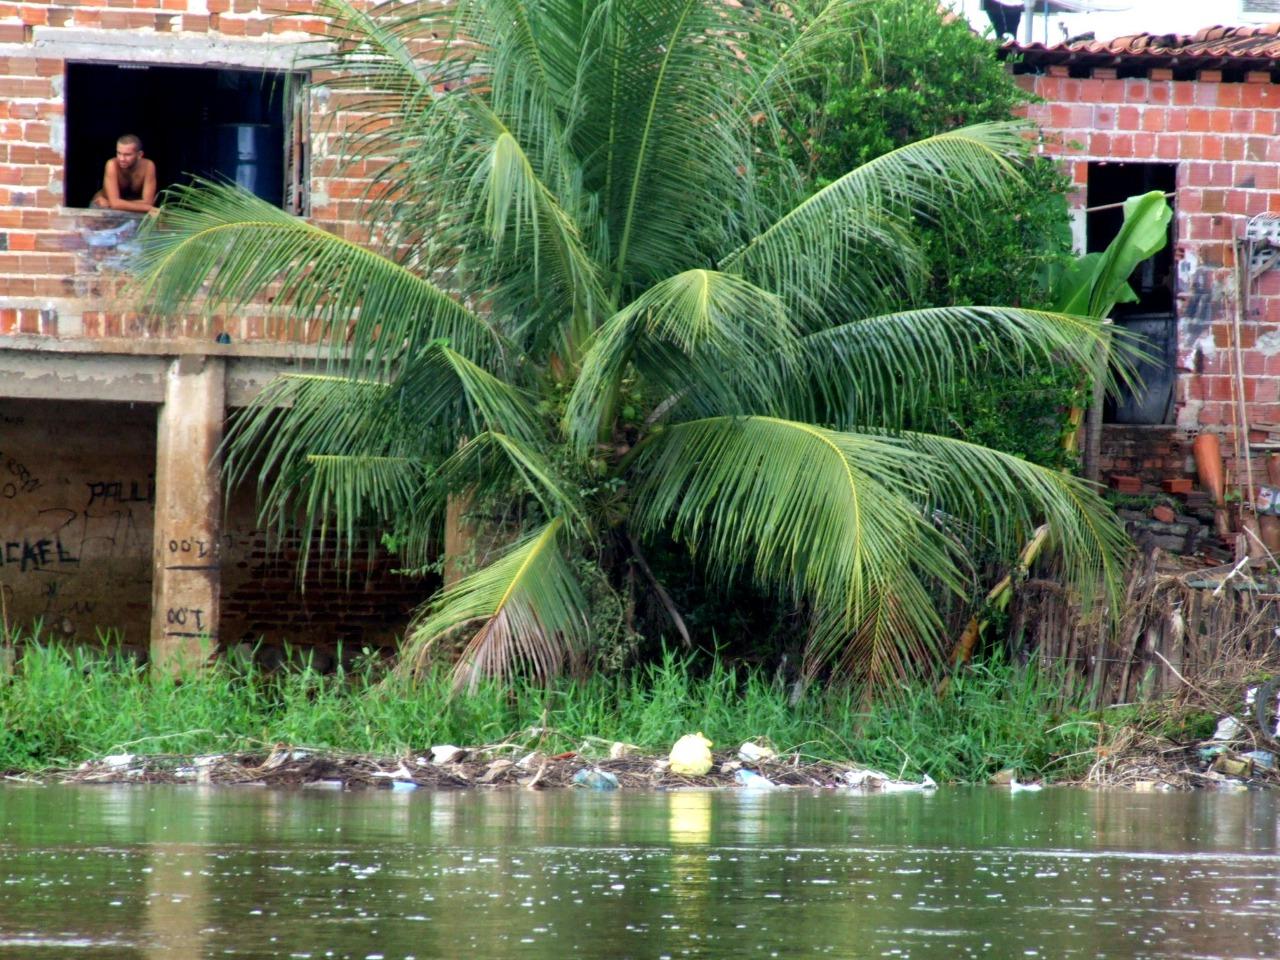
77	516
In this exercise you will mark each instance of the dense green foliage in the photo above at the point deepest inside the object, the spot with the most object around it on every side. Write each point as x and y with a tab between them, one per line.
64	705
597	309
905	70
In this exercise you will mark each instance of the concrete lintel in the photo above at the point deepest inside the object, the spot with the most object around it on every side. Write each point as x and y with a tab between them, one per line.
169	49
158	347
134	370
32	376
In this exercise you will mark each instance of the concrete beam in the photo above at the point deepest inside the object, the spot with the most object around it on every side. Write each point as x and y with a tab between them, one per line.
133	371
186	580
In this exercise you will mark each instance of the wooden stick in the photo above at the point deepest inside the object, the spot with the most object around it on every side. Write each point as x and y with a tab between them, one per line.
1237	358
997	599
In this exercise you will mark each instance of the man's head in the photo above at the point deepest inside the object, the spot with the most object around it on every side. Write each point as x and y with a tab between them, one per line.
128	150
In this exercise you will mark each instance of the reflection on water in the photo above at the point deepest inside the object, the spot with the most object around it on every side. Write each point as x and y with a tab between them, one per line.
167	873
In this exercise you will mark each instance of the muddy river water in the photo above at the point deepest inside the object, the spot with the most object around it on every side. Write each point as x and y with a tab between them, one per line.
189	872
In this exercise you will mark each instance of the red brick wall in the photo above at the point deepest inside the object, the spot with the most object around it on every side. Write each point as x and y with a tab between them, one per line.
45	263
1150	453
1223	138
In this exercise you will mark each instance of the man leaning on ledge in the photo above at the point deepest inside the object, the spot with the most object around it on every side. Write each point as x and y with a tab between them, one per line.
129	179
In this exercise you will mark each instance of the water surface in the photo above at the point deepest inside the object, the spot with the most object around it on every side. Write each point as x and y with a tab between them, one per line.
161	872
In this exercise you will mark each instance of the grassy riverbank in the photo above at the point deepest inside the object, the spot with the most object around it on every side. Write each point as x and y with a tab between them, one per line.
61	706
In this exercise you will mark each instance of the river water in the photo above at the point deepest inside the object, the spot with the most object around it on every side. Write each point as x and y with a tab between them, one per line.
188	872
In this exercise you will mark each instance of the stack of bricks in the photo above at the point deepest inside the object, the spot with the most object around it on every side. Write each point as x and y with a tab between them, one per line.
1222	135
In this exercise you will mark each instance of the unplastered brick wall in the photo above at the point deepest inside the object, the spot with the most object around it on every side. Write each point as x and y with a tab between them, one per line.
1153	454
59	265
1222	135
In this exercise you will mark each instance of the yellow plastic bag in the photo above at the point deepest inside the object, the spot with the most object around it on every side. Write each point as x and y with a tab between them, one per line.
691	755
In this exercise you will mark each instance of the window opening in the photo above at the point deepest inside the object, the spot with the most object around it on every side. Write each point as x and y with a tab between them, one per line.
246	126
1153	316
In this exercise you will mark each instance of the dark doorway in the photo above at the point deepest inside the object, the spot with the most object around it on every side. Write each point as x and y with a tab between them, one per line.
1152	317
238	125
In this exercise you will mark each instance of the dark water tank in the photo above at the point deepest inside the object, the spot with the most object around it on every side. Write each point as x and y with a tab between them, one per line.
250	154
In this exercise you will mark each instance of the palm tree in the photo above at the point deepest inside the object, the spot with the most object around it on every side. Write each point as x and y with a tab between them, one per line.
594	301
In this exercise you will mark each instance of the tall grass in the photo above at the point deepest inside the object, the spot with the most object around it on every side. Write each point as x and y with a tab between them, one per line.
62	705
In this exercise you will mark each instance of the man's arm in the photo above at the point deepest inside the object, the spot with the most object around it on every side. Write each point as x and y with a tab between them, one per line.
111	190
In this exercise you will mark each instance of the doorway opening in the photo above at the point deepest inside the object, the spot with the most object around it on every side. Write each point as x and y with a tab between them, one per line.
1152	316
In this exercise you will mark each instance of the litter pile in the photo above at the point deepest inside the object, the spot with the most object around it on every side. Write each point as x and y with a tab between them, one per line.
1241	754
597	766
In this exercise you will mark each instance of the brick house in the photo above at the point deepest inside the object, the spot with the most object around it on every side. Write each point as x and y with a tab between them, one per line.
1198	117
109	515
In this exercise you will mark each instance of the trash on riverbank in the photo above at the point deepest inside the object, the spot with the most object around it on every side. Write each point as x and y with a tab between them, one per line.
872	781
691	755
508	764
593	778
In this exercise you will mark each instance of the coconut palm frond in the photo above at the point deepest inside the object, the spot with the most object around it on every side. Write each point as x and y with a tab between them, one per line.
1003	498
440	390
860	223
348	500
487	464
536	245
719	343
885	369
657	98
524	613
220	247
828	516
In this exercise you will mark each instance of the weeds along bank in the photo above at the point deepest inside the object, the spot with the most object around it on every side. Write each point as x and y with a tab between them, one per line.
61	706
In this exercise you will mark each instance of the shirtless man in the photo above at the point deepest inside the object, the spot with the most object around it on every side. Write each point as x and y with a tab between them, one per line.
129	180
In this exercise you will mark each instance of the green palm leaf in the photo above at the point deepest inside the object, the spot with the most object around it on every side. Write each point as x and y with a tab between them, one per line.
526	609
487	465
714	340
221	247
825	249
885	369
1004	498
832	517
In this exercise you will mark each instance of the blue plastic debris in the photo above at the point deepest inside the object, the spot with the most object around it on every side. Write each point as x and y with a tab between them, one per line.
595	779
753	781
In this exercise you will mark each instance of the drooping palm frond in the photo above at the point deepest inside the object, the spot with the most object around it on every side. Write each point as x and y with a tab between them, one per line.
831	517
355	497
713	340
1003	498
308	440
487	464
822	251
313	438
884	369
220	248
526	609
440	392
